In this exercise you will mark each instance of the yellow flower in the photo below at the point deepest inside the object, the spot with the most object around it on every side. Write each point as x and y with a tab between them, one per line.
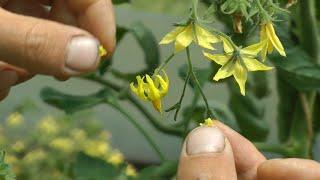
152	89
115	158
207	122
65	145
18	146
15	119
96	148
238	62
34	156
130	171
184	35
102	51
78	134
48	125
268	34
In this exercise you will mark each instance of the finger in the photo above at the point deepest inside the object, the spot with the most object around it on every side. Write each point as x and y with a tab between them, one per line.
97	17
247	157
206	154
61	13
4	93
30	8
46	47
3	2
22	74
287	169
7	79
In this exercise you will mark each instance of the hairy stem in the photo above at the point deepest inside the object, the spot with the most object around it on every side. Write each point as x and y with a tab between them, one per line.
182	95
155	122
142	131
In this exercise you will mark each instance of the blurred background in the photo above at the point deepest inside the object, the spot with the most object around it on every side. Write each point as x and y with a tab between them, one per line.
159	17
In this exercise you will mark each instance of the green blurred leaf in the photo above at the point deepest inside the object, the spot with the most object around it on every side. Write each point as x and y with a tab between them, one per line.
316	147
298	70
88	168
164	171
6	172
71	103
203	75
106	62
116	2
223	113
287	100
259	85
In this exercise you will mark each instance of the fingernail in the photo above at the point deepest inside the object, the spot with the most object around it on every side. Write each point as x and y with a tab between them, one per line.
205	140
82	55
7	79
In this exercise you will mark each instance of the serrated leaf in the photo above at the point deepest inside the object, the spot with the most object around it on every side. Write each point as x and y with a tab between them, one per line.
88	168
298	70
71	103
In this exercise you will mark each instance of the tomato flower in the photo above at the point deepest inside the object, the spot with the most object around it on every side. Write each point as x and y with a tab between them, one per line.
151	89
207	122
184	35
102	51
238	62
268	34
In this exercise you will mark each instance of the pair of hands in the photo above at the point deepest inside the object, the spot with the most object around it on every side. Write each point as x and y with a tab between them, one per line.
63	41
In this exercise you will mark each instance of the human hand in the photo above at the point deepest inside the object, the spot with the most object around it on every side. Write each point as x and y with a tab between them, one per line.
60	42
220	153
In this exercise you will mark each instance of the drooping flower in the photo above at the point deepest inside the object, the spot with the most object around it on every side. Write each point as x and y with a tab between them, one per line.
152	89
238	62
184	35
268	34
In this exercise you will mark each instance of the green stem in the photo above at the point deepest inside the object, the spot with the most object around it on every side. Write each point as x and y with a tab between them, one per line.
182	95
196	81
185	122
143	132
155	122
309	30
163	65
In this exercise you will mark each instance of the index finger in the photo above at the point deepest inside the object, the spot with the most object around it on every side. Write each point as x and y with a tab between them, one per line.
97	17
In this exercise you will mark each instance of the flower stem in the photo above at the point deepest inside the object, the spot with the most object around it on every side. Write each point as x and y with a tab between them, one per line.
139	128
196	81
163	65
182	95
154	121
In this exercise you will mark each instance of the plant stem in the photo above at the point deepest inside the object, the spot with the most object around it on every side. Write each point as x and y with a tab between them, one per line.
155	122
196	81
309	31
308	114
163	65
139	128
182	95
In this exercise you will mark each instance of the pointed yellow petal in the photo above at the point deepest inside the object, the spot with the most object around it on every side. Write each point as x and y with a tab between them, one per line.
225	71
102	51
264	51
139	89
227	47
171	36
240	74
152	93
274	39
184	39
157	105
254	49
163	84
218	58
205	38
255	65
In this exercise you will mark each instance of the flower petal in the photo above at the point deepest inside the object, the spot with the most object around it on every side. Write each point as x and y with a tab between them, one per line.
254	49
220	59
184	39
225	71
274	39
255	65
153	92
171	36
205	38
227	47
240	74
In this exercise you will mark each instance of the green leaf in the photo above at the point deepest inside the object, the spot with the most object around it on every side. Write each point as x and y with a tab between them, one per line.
298	70
88	168
287	100
249	113
116	2
6	172
71	103
259	85
106	63
222	112
149	45
164	171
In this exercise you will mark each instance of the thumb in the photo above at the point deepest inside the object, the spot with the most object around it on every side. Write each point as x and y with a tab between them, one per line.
206	154
46	47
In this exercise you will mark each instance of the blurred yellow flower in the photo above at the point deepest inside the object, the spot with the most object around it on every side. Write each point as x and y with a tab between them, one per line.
102	51
48	125
115	158
34	156
207	122
18	146
130	171
78	134
184	35
152	89
238	62
104	135
65	145
96	148
15	119
268	34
